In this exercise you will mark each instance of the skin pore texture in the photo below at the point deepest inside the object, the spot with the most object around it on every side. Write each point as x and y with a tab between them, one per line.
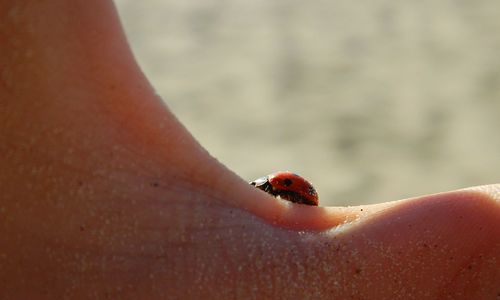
104	194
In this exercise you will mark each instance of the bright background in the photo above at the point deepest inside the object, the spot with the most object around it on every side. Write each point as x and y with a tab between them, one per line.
370	100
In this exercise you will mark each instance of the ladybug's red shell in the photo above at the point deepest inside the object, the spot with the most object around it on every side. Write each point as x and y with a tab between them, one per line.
288	186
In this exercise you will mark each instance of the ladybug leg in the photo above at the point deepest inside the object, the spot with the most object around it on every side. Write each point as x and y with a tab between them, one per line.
294	197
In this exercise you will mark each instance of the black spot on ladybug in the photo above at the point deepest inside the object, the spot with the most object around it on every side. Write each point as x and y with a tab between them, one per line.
312	191
287	182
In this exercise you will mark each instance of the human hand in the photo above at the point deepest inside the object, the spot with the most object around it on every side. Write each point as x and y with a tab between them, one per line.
105	194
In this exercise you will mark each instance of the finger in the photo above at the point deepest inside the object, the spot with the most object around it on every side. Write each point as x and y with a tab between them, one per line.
437	246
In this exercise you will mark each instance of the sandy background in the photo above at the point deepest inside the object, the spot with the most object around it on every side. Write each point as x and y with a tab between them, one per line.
370	100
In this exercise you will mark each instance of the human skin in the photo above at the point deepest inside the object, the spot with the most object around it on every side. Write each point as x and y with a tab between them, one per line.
104	194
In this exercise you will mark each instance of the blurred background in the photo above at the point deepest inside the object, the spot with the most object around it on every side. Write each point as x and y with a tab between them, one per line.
371	100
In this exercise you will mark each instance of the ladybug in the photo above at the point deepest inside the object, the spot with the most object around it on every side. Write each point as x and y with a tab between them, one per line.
288	186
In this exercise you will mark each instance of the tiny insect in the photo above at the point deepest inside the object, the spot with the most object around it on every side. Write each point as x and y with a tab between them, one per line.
288	186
